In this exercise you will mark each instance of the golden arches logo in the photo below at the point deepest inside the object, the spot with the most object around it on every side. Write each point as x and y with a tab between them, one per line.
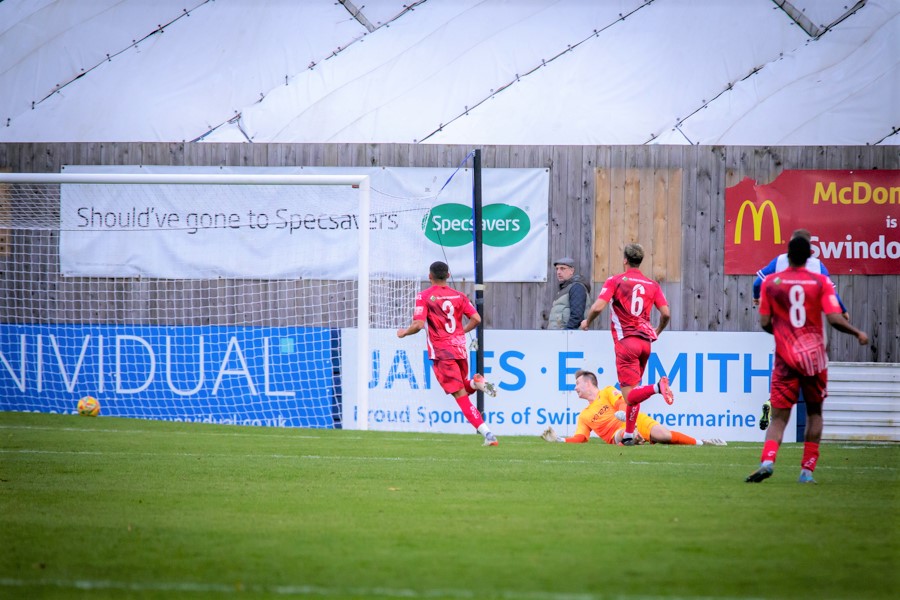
757	221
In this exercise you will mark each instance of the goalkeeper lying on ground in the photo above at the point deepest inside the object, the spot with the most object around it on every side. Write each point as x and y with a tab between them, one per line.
601	418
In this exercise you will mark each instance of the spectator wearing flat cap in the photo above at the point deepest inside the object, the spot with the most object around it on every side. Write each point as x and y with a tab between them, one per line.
568	308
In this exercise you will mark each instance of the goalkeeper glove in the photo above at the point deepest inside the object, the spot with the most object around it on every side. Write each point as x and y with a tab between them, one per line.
620	415
549	435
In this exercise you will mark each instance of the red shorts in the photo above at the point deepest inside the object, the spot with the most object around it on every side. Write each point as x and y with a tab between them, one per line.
787	383
632	353
451	374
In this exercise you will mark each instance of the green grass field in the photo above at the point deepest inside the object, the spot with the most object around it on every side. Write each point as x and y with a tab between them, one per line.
120	508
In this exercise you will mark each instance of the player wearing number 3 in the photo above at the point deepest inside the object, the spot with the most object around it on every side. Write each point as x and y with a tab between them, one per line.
632	296
791	309
439	311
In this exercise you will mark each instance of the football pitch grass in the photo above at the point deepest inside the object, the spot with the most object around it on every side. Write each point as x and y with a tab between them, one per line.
122	508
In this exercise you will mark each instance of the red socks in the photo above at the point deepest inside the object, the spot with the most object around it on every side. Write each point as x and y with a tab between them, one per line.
770	451
469	411
631	414
639	394
810	456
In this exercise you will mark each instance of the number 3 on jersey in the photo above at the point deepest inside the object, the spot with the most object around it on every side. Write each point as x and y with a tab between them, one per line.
450	325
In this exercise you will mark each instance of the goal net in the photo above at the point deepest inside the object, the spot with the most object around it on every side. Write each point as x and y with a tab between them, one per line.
234	299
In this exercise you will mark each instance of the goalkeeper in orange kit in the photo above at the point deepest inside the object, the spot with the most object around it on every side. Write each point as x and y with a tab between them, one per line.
600	417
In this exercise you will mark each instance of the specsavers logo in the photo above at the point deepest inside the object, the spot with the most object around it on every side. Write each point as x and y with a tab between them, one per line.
501	225
757	215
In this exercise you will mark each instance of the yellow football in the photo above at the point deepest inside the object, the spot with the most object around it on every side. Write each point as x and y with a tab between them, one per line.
88	407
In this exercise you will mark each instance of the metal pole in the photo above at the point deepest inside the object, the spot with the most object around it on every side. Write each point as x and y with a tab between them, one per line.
479	274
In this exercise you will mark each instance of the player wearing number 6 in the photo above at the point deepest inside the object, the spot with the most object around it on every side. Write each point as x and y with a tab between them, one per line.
632	296
791	308
439	311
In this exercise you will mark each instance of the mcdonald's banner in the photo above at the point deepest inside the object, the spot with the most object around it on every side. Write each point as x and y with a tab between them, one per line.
853	217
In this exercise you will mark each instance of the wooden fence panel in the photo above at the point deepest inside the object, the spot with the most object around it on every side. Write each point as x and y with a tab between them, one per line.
674	215
669	198
718	298
602	221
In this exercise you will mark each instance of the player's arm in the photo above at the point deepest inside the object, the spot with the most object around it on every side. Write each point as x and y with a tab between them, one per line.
765	321
615	398
760	275
550	435
472	323
665	315
414	328
582	433
838	321
469	311
765	313
844	310
596	308
836	295
620	406
830	304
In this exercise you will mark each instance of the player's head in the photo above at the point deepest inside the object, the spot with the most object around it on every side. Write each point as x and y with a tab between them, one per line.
799	250
803	233
585	384
439	271
634	254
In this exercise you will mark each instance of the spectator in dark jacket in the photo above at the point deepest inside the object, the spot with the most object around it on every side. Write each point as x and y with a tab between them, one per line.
569	306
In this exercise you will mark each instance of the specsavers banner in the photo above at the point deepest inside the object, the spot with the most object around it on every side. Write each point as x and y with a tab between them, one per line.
720	381
281	232
854	218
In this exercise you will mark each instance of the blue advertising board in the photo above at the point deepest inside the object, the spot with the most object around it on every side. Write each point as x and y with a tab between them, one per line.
286	376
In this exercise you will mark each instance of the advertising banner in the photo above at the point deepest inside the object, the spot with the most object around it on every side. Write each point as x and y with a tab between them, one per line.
854	218
720	381
286	232
292	377
277	377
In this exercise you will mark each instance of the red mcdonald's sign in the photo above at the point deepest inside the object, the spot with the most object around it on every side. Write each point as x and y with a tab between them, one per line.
854	217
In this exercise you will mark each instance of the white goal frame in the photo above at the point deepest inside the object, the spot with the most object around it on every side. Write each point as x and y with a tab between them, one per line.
362	182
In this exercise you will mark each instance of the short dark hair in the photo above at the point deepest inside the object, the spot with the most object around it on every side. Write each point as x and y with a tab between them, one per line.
804	233
439	270
634	254
587	375
799	249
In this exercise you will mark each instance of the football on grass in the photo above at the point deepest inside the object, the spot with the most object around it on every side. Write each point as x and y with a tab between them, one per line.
88	407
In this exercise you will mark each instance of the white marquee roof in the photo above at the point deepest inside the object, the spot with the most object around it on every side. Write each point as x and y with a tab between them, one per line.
564	72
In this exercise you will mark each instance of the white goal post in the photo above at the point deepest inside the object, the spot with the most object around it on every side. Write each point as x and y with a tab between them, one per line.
167	296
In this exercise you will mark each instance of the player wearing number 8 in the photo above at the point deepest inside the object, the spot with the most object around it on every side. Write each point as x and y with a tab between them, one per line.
791	309
439	311
632	296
